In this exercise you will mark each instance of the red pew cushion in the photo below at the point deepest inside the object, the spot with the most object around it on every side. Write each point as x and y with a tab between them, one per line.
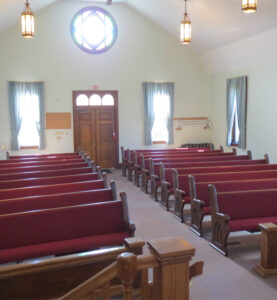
250	224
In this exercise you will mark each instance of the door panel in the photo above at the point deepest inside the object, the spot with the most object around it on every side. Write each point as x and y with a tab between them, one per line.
104	137
96	127
86	133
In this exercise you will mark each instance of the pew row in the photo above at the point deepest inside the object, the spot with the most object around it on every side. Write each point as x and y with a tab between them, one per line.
27	182
52	277
58	200
15	164
139	162
199	196
169	182
181	196
239	211
64	230
50	155
47	173
152	173
54	189
48	167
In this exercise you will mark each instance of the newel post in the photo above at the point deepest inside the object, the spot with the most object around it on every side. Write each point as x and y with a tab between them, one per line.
171	278
268	266
127	272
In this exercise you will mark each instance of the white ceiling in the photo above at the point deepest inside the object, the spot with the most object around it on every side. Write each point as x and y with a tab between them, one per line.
215	23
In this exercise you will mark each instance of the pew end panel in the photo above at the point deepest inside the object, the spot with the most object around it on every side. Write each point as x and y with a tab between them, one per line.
129	225
221	148
179	204
197	216
165	194
268	264
154	184
105	179
249	154
220	228
144	180
266	157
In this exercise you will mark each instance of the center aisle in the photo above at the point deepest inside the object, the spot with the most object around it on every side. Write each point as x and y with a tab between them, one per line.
223	278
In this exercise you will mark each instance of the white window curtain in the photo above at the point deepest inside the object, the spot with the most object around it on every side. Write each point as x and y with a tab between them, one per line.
150	92
237	98
17	90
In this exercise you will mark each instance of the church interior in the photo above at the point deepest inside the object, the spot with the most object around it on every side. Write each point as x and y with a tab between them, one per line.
137	151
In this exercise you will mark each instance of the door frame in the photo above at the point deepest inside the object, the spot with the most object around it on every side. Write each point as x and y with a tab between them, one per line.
76	108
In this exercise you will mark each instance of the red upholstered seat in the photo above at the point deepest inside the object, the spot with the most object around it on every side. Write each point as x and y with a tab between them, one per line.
187	199
61	230
62	247
52	201
250	224
207	210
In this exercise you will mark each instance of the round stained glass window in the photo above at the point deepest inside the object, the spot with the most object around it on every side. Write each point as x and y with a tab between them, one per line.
94	29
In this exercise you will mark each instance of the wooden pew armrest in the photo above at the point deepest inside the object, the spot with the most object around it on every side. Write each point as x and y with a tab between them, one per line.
131	228
180	194
224	217
196	269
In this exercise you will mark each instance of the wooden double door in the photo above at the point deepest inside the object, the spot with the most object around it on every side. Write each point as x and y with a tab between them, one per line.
96	125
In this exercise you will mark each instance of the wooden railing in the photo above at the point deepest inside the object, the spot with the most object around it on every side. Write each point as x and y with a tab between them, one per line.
268	266
169	258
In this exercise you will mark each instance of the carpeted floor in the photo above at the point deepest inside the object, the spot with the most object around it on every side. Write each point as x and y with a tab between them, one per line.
224	278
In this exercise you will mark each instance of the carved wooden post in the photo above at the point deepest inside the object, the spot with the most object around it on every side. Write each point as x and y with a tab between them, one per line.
171	278
268	266
127	272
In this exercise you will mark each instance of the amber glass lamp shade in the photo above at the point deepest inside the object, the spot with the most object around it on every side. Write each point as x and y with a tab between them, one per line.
249	6
27	23
185	31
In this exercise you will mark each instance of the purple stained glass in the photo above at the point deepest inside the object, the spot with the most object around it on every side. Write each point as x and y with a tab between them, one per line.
93	29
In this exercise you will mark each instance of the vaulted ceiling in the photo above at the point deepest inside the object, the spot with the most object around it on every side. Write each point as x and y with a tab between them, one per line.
215	23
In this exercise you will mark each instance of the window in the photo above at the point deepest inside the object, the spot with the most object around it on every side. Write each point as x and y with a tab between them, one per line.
27	117
94	30
95	100
236	111
29	109
158	98
159	131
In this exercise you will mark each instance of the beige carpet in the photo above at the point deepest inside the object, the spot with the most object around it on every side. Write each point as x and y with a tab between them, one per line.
229	278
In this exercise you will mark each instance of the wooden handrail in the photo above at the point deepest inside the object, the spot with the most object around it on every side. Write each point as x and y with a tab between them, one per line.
169	258
92	284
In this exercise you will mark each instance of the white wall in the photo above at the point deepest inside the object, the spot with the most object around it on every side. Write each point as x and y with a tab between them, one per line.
259	64
142	52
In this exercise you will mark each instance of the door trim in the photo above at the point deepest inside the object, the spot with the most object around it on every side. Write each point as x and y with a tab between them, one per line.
75	93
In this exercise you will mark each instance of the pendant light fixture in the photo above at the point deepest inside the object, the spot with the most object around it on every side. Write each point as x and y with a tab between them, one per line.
185	28
249	6
27	22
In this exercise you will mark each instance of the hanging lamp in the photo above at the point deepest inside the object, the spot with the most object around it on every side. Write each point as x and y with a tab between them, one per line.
185	28
27	22
249	6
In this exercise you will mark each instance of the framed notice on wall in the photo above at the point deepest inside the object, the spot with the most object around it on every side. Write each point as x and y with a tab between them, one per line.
58	120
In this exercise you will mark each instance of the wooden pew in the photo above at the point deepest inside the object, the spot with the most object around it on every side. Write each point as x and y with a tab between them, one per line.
204	160
181	196
54	189
238	211
64	230
47	173
15	164
268	266
50	155
39	158
133	156
158	175
199	196
58	200
27	182
52	277
139	161
48	167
